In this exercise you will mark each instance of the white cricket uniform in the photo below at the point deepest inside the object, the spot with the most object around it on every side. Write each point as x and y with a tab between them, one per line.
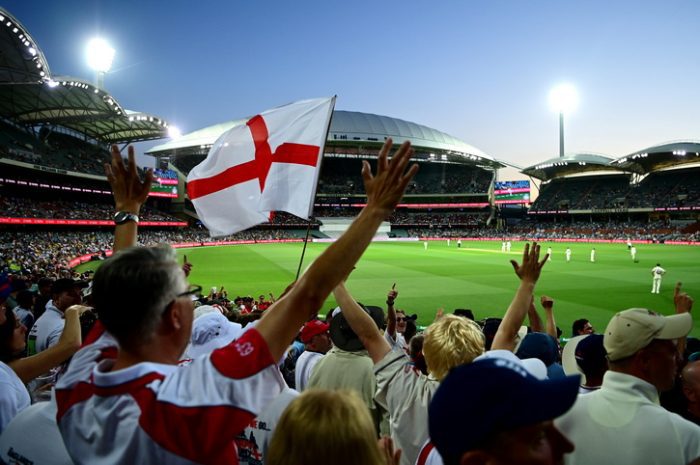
568	255
156	413
503	246
593	255
633	252
508	246
657	273
549	251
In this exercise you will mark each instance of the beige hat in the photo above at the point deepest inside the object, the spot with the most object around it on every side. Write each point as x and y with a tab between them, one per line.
633	329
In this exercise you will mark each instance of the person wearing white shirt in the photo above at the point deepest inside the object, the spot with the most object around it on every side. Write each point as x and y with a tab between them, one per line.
625	414
317	342
656	274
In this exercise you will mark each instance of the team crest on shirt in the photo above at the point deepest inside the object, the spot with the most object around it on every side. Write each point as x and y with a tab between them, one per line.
245	349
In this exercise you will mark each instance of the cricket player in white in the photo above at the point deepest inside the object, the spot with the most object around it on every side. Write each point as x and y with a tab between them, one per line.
593	255
657	272
508	245
568	254
633	252
549	252
503	246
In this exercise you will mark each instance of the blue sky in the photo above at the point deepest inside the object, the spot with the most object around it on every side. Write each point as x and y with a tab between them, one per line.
478	70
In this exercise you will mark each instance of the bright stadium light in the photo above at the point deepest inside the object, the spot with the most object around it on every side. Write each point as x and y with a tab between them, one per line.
99	57
174	132
563	99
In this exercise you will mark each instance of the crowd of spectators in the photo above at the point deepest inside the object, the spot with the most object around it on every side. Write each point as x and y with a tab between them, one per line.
658	231
667	189
24	207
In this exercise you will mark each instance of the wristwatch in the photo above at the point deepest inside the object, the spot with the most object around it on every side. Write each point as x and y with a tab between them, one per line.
124	217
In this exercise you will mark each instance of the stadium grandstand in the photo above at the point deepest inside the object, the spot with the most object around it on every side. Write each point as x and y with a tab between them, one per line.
55	132
653	191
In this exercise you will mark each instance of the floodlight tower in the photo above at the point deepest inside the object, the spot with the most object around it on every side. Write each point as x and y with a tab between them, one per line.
563	99
100	56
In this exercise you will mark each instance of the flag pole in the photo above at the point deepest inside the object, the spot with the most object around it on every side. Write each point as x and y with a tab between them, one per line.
303	251
318	175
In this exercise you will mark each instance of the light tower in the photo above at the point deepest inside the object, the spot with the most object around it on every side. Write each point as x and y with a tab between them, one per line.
100	56
563	99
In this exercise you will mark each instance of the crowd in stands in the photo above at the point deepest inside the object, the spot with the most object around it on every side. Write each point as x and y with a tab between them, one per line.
658	231
23	207
666	189
142	367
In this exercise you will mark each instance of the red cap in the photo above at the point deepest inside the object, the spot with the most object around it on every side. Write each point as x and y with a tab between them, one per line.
313	328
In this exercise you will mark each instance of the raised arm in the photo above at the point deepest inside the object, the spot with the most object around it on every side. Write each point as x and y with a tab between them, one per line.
683	304
363	324
130	192
29	368
391	312
529	273
384	190
548	305
534	317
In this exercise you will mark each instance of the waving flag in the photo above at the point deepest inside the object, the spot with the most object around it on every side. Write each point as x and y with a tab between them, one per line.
271	163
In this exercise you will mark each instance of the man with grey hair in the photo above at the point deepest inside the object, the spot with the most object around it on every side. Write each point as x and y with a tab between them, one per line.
125	400
623	422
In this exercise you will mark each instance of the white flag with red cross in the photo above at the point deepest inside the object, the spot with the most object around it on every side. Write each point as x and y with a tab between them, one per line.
271	163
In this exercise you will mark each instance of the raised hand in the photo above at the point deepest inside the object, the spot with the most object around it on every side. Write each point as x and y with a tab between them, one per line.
529	270
392	294
682	301
385	188
129	191
547	302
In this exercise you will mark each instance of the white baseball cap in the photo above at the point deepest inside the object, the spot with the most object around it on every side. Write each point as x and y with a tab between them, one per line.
633	329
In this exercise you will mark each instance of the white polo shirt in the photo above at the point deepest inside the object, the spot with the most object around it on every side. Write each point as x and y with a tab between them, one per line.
623	423
304	367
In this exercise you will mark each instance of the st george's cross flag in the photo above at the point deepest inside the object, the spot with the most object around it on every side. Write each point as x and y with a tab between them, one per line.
270	163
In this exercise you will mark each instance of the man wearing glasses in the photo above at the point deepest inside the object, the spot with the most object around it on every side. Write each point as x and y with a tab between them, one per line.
125	400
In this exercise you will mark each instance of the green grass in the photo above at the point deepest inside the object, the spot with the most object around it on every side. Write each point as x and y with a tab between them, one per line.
477	276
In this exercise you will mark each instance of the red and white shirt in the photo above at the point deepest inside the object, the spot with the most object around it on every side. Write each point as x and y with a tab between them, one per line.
155	413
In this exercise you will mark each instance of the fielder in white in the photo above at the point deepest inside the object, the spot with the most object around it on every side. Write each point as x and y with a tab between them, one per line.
568	254
503	246
508	245
633	252
549	252
657	272
593	255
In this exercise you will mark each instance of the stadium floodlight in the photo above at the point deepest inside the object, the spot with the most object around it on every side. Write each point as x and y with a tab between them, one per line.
563	99
174	132
99	57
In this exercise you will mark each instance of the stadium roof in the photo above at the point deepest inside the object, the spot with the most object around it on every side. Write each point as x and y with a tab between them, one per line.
661	156
350	128
570	164
30	95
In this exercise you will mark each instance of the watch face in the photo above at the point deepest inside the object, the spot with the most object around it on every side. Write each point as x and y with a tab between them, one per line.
120	217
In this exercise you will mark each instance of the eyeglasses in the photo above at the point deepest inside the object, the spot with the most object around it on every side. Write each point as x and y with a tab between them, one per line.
192	292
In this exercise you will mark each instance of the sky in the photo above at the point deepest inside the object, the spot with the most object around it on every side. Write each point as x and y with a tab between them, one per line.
477	70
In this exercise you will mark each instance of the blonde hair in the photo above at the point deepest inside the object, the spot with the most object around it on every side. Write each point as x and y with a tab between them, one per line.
322	427
449	342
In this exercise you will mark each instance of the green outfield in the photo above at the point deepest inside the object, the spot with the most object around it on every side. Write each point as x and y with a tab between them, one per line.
477	276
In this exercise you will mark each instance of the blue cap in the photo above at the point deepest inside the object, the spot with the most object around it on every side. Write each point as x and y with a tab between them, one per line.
506	396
